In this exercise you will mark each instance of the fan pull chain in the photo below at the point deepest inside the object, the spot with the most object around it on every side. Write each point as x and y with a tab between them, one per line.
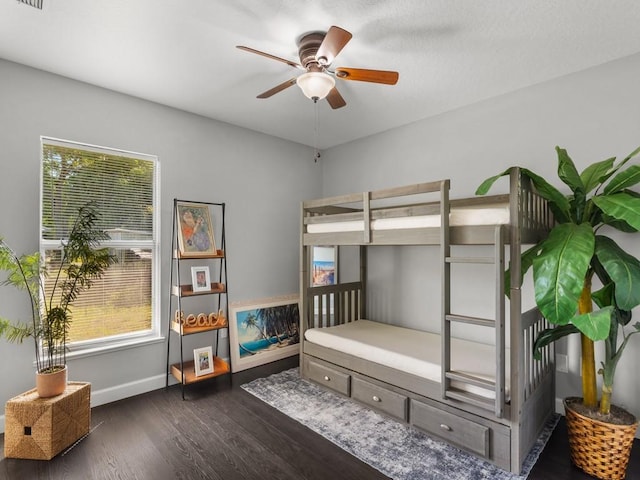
316	129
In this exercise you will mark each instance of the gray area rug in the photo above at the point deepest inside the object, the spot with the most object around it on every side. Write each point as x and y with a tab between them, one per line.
395	449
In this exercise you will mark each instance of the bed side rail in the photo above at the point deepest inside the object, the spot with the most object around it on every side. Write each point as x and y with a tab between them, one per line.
330	214
376	213
355	198
330	305
533	371
367	206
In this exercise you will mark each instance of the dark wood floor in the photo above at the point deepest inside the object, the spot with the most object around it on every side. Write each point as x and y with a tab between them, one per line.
222	432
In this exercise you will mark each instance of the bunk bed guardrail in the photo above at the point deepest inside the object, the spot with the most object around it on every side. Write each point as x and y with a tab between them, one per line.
331	305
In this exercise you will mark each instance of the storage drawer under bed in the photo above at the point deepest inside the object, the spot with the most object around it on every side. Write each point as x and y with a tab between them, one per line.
452	428
329	377
380	398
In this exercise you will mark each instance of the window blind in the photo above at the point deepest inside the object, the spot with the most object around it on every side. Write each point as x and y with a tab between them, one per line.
121	186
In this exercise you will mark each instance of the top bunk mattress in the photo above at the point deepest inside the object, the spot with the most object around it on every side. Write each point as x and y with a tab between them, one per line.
460	216
411	351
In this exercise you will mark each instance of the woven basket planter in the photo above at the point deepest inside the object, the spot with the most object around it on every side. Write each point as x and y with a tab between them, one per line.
598	448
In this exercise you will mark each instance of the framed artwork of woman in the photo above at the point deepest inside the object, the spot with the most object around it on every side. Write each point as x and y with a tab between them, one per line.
195	230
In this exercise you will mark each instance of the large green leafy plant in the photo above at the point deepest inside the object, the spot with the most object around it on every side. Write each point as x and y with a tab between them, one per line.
577	249
80	264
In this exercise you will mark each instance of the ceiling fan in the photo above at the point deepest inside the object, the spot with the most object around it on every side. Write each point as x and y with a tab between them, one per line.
317	50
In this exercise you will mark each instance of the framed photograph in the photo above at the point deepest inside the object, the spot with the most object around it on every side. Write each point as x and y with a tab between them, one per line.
200	279
264	331
324	267
203	360
195	230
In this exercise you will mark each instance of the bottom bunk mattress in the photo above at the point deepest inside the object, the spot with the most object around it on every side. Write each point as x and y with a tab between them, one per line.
412	351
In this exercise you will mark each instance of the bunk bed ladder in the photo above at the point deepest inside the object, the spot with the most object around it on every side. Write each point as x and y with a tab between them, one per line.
449	391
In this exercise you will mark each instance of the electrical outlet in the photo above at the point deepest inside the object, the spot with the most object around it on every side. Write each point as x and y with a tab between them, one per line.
562	363
223	333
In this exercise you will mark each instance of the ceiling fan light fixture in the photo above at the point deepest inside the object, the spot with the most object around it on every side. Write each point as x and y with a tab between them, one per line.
316	85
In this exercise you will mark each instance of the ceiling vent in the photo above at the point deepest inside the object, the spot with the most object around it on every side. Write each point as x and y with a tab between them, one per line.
32	3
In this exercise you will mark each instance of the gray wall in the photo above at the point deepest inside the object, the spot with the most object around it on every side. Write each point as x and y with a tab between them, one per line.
262	179
594	114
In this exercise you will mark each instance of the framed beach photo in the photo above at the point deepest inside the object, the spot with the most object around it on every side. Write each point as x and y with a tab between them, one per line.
264	331
203	360
195	230
200	279
324	267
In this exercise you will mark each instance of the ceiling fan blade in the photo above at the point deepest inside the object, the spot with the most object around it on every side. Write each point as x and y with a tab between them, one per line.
278	88
335	99
363	75
273	57
334	41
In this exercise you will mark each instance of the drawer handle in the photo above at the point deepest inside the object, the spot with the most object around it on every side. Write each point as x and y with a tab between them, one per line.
446	427
376	398
326	378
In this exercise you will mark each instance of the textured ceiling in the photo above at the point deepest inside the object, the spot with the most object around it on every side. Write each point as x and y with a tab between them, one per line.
449	53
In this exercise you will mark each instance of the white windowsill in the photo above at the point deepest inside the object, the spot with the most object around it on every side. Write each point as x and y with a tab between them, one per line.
113	347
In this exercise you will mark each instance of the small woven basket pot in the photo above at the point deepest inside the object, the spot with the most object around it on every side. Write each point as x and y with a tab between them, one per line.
598	448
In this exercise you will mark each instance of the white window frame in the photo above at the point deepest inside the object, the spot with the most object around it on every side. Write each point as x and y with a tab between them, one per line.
117	342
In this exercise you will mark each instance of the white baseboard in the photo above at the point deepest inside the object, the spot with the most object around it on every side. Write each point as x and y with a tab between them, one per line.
126	390
559	406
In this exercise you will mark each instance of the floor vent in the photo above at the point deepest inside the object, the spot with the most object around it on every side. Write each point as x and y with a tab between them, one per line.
32	3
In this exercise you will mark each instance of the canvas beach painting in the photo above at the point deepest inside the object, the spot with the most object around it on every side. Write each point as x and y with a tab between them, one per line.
263	331
324	269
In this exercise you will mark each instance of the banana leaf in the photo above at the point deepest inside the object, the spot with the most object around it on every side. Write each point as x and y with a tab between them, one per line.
595	325
559	270
596	173
549	336
621	206
625	179
623	269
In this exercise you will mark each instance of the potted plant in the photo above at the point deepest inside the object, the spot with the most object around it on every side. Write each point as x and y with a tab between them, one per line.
576	253
79	265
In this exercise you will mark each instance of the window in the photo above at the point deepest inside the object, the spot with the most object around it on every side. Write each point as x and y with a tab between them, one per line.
123	305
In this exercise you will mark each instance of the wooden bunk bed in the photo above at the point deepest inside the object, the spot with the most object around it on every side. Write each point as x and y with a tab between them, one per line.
491	400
